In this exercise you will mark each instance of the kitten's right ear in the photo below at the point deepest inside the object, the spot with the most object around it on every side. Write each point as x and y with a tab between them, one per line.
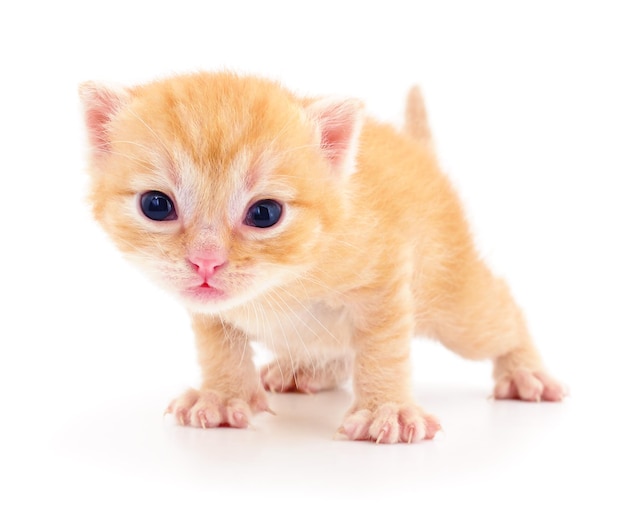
100	104
339	123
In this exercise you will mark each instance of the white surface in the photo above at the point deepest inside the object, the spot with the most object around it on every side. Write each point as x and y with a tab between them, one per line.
528	108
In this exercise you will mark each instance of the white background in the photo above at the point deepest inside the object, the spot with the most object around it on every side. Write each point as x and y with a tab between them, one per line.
528	108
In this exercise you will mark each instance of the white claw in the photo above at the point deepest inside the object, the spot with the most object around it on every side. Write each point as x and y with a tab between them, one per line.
380	436
411	430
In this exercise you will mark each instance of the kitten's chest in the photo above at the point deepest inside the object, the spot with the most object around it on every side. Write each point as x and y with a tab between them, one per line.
294	328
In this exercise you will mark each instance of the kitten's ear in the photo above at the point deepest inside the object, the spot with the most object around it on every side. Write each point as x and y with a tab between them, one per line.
100	103
339	122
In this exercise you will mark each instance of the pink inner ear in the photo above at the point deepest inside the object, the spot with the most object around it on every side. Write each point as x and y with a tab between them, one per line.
100	103
340	123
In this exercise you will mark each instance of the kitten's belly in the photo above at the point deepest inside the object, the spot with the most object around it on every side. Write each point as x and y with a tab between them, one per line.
302	333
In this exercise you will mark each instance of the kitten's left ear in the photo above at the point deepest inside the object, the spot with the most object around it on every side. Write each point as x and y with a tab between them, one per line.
101	103
339	122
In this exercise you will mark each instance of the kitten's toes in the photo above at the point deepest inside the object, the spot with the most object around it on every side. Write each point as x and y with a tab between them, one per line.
281	376
529	386
277	378
389	424
209	409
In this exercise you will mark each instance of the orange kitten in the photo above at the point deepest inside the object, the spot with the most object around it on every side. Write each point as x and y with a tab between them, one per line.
303	224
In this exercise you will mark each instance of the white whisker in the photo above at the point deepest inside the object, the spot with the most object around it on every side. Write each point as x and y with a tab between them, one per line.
269	336
152	131
289	313
312	315
139	161
245	345
313	280
285	338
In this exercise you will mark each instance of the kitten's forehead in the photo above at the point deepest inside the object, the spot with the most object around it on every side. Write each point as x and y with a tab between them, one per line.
212	116
211	197
211	193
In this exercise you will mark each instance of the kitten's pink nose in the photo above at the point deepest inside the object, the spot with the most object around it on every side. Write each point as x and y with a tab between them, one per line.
206	264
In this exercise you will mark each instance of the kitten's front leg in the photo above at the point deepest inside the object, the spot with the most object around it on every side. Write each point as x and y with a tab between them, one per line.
230	392
384	410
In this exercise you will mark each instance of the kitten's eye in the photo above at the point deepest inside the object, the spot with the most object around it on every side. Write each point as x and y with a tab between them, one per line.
263	214
157	206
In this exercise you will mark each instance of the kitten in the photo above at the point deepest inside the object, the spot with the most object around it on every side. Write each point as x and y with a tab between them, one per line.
300	223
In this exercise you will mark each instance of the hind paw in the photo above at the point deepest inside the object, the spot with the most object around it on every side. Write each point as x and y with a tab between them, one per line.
282	377
529	386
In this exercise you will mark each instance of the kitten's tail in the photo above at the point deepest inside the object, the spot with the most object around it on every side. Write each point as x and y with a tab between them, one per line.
415	117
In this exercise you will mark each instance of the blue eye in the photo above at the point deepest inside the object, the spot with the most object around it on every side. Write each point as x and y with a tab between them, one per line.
157	206
263	214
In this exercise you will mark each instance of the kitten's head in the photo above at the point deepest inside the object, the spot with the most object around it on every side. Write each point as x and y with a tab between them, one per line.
221	187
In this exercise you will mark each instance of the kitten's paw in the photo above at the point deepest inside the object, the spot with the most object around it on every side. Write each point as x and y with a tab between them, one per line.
209	409
389	424
276	378
529	386
280	376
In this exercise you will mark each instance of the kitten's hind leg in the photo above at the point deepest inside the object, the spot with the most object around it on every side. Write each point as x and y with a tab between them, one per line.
282	376
481	320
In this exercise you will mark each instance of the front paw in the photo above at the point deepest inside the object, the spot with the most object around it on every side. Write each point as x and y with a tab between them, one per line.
210	409
389	423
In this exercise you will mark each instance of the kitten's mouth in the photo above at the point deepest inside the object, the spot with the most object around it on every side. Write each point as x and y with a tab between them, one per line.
205	292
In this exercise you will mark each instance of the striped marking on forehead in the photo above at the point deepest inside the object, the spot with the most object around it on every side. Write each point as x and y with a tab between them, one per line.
210	196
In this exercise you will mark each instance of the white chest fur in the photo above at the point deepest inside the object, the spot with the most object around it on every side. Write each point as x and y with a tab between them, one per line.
301	331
